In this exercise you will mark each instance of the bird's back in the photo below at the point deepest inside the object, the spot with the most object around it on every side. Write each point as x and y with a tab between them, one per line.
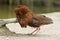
38	20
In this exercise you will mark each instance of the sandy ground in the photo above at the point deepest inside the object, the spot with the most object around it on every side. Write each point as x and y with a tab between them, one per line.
31	37
47	32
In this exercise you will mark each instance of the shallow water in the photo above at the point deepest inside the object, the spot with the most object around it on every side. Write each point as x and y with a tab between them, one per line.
6	11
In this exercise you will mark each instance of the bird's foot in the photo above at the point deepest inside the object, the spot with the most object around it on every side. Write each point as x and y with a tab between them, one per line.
30	34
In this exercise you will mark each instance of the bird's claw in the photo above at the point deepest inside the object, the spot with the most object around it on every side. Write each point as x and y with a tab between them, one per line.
29	34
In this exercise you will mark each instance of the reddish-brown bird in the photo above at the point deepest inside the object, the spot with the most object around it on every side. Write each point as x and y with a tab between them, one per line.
26	17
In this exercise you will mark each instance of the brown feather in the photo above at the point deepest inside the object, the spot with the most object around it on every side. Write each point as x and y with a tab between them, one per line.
26	17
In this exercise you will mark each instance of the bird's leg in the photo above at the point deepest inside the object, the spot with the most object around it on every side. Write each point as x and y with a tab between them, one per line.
37	29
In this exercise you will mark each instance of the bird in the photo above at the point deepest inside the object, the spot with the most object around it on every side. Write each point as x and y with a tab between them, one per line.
25	17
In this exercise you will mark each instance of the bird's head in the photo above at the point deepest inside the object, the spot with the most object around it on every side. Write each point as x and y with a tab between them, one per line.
21	9
45	20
